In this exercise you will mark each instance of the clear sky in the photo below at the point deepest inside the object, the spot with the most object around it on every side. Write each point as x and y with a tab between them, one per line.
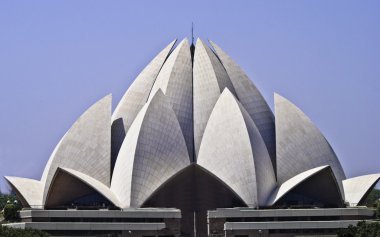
59	57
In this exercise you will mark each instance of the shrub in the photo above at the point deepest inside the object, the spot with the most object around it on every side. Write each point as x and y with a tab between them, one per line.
10	212
349	232
5	199
10	232
372	198
368	229
363	229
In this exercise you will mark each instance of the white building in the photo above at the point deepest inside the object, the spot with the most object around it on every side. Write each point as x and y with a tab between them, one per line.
192	132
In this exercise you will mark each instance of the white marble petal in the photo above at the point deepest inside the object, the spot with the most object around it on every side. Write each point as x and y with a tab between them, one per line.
175	80
356	188
135	98
104	190
85	147
30	190
233	150
300	146
153	150
252	100
293	182
209	80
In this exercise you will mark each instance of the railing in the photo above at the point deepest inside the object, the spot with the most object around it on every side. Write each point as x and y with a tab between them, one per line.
72	207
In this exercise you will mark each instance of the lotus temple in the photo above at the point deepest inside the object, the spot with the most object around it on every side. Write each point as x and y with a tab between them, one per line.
193	149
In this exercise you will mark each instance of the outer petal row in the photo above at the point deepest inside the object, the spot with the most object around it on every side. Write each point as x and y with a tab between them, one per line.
356	189
29	191
300	146
309	184
85	147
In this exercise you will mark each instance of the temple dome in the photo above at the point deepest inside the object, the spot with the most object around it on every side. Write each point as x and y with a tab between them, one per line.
193	127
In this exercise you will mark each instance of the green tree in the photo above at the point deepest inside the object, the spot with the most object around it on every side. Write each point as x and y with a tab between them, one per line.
7	198
363	229
10	232
10	212
372	198
368	229
378	210
349	232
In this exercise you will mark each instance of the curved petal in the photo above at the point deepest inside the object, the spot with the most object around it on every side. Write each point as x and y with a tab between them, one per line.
194	186
300	145
252	100
233	150
209	81
135	98
175	80
28	190
293	182
153	150
66	189
104	190
309	184
85	147
357	188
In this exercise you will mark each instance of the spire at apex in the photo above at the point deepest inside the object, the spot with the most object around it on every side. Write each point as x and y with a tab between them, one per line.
192	33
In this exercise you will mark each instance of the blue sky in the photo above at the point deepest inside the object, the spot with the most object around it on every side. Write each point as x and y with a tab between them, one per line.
59	57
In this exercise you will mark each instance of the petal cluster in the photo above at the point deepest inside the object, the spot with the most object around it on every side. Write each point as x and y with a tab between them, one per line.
192	111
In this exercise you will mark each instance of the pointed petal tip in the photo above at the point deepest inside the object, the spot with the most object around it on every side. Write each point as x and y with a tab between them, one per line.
108	96
8	178
278	97
173	42
227	92
363	176
171	46
13	178
214	46
184	42
200	41
159	93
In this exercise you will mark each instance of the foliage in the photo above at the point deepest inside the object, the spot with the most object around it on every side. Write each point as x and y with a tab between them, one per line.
363	229
368	229
11	232
4	198
378	210
9	205
349	232
10	212
373	197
